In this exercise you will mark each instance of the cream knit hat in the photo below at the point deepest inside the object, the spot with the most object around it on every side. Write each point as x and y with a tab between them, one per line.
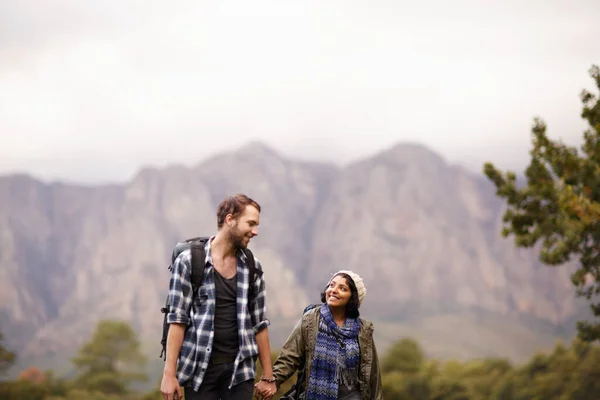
358	282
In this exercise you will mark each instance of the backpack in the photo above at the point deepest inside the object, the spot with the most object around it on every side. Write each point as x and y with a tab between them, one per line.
196	246
298	387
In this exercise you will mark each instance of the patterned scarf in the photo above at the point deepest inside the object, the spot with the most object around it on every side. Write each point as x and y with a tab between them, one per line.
337	357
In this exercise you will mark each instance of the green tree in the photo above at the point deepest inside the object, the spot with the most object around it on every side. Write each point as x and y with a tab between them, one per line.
22	389
507	386
103	363
444	388
7	358
585	383
77	394
482	376
560	204
399	386
552	381
405	356
33	384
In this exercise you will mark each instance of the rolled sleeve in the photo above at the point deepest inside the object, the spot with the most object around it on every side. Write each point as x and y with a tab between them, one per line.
258	307
180	290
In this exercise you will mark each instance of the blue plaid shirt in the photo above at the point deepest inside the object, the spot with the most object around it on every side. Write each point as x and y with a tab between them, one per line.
198	314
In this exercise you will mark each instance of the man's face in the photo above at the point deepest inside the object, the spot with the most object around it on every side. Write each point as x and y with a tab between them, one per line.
245	227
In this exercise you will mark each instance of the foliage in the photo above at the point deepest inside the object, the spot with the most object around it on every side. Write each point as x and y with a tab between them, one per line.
560	205
405	356
566	372
32	374
103	366
77	394
103	362
33	384
7	358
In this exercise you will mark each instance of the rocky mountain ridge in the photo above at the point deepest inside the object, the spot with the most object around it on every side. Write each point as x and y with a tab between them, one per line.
424	235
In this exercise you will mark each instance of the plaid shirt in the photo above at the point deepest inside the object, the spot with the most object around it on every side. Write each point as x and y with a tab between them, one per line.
194	355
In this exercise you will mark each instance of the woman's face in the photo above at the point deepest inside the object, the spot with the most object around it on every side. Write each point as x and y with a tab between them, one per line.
338	292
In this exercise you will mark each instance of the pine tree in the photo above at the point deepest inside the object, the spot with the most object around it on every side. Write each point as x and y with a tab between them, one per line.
560	204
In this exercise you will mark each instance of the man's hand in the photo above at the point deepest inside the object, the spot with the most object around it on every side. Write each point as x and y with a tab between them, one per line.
169	387
265	390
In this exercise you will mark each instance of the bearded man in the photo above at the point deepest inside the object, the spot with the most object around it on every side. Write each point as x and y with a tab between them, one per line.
216	332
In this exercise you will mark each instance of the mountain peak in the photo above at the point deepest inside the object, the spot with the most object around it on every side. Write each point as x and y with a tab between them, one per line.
256	147
412	153
412	148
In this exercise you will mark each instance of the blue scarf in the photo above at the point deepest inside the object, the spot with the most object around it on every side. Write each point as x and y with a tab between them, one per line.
337	357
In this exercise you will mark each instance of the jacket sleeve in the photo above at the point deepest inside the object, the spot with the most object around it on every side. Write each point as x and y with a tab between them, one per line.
376	386
290	357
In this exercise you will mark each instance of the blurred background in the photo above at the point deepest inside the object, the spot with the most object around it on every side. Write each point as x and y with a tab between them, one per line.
361	128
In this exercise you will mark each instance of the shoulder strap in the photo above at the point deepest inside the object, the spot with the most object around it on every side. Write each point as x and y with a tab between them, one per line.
198	263
251	262
252	270
310	307
305	317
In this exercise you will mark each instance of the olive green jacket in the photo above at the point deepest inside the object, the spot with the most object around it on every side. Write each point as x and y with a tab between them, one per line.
301	342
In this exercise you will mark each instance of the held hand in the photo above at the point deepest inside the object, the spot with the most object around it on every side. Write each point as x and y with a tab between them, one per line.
170	389
265	390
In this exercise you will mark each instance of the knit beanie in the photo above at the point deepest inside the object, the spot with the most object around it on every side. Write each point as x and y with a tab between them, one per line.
358	282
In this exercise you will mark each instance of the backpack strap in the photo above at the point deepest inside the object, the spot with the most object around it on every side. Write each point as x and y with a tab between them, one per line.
197	246
198	263
253	272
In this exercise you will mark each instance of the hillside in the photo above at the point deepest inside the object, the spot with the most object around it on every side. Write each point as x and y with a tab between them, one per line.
425	235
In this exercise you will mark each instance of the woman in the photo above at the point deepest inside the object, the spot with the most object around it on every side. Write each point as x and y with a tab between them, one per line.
341	358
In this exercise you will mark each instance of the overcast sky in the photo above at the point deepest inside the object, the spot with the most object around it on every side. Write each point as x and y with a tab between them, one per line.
90	91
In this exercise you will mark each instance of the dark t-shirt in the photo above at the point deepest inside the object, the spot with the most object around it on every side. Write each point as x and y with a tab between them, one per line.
226	329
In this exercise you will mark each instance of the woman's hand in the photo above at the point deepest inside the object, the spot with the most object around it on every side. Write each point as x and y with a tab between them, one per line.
265	390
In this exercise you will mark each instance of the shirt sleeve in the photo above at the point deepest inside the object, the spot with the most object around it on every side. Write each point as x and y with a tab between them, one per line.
180	290
258	307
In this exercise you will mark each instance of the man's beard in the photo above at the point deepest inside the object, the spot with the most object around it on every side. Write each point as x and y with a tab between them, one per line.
237	239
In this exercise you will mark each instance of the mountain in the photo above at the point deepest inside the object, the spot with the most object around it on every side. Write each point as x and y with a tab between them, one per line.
425	236
425	230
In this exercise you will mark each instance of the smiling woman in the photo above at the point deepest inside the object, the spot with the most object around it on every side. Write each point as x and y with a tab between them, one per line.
332	347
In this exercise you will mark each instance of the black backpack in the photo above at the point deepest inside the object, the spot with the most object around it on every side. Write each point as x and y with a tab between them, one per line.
298	387
196	245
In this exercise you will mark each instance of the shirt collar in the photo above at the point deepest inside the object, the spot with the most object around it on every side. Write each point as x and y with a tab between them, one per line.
208	259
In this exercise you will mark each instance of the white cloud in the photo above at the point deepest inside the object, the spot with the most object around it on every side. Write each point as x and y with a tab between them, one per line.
120	84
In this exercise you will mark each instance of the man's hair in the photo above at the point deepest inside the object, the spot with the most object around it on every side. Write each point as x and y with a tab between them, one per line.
353	303
234	205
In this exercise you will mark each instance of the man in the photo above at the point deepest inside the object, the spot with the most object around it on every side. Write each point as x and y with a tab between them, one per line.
214	338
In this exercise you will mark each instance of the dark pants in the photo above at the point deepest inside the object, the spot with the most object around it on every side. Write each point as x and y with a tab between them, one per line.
215	385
